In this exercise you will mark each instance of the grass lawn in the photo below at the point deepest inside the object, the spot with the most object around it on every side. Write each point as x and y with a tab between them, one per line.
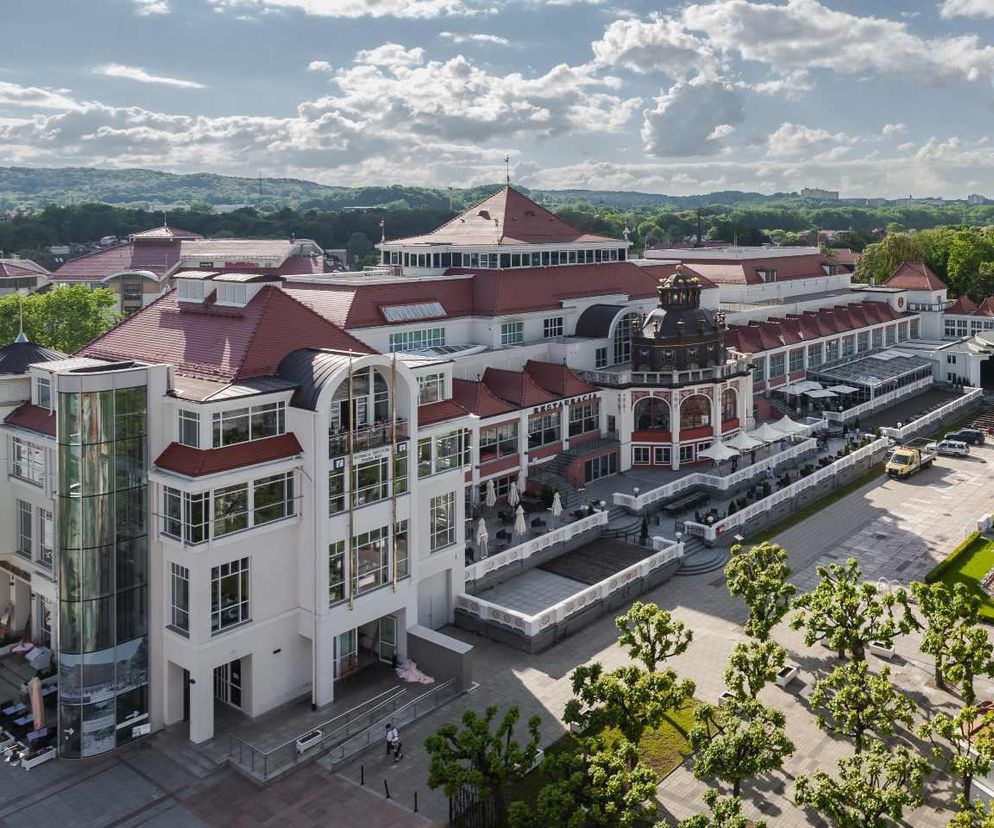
662	749
969	568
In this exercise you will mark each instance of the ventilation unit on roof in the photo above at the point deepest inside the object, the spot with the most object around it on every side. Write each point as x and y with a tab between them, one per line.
407	313
484	214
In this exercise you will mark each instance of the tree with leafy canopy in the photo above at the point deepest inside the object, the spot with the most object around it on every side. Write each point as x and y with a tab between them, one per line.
736	740
846	612
751	666
651	635
964	742
726	812
872	787
859	702
65	318
628	699
760	574
481	756
601	783
973	814
969	656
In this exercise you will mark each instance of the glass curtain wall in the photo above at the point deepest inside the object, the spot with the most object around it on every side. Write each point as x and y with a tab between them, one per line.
103	569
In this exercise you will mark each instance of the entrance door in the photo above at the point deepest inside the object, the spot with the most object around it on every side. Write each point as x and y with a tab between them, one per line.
346	654
228	683
388	638
186	695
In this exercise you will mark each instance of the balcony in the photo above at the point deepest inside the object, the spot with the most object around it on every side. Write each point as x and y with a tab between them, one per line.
366	437
623	376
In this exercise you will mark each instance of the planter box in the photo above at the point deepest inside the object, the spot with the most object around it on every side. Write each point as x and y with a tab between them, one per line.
786	675
309	740
882	650
38	758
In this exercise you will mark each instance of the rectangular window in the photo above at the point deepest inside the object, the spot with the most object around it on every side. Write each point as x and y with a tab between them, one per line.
832	350
336	489
512	333
44	393
231	294
891	334
25	519
848	345
46	537
243	424
371	481
600	358
431	388
371	560
442	521
400	474
231	512
814	355
759	369
863	341
231	427
419	340
401	553
687	454
878	338
640	455
27	461
543	429
336	572
172	513
661	455
229	595
179	615
584	417
190	290
196	517
776	365
189	428
552	327
951	359
448	450
498	441
797	360
272	498
599	467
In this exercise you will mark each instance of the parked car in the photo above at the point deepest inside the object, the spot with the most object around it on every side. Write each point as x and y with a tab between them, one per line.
973	436
953	448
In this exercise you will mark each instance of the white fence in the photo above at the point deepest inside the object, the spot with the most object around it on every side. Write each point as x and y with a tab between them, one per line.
525	550
933	417
721	482
882	401
816	478
531	625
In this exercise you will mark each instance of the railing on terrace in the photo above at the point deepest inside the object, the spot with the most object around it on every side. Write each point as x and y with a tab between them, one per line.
720	482
531	625
525	550
364	438
626	376
883	400
265	764
932	417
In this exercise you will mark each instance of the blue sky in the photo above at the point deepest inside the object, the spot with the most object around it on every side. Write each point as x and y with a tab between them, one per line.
871	98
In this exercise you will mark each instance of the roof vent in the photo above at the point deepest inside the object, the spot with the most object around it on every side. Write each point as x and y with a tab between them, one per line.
484	214
529	212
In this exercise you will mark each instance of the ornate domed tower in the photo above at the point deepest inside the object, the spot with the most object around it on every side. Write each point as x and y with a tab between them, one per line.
679	335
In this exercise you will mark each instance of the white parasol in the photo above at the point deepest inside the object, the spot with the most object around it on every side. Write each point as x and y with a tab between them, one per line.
519	522
767	434
491	499
743	442
789	426
482	536
557	505
718	452
513	498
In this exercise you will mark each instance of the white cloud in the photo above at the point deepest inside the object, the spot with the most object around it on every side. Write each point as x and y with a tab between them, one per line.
967	8
391	55
424	9
790	86
893	130
151	7
320	66
660	45
456	37
136	73
35	97
796	139
692	119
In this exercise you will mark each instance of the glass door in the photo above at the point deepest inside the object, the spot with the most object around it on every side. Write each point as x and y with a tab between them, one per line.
346	655
228	683
388	638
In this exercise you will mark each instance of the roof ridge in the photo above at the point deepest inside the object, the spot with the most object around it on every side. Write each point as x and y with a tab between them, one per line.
460	214
324	319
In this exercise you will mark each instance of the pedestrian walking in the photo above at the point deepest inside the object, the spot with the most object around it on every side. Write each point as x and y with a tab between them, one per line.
394	744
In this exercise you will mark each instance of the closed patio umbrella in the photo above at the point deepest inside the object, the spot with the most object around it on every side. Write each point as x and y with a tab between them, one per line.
513	498
491	499
557	505
519	522
37	703
482	536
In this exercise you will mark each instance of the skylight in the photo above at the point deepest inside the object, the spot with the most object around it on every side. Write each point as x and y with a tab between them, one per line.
409	313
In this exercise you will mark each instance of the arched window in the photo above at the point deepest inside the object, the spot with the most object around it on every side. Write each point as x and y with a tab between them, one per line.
695	412
729	405
652	414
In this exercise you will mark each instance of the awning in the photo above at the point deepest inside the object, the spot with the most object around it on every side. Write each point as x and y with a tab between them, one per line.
796	388
819	394
788	426
767	434
718	451
743	442
842	389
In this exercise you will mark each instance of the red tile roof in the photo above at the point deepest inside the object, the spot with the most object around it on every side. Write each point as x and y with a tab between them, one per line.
32	418
165	232
192	462
506	217
557	379
744	272
914	276
516	387
14	268
440	411
216	343
963	305
986	307
477	399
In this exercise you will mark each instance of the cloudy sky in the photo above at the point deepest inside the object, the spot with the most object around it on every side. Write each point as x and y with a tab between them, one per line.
870	97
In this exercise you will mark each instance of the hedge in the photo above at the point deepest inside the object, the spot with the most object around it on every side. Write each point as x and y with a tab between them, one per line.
951	558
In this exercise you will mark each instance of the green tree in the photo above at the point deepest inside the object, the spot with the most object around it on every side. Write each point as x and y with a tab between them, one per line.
726	812
481	756
736	741
601	783
760	574
858	702
846	612
973	815
65	318
751	666
651	635
627	699
359	245
964	743
879	260
871	787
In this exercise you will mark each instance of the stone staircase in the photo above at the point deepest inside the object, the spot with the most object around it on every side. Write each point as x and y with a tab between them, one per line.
699	559
553	473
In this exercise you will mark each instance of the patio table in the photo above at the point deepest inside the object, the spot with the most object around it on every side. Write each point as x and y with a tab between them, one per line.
14	709
24	720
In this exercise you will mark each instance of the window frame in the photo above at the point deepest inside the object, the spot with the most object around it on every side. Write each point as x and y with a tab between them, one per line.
512	333
441	521
552	327
241	605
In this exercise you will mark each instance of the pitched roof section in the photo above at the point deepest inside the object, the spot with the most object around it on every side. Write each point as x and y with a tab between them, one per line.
516	387
13	268
439	412
914	276
506	217
217	343
32	418
477	399
557	379
986	307
18	355
747	271
192	462
963	305
165	232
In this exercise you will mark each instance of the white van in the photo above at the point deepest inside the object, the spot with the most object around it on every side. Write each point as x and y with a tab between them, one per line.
953	448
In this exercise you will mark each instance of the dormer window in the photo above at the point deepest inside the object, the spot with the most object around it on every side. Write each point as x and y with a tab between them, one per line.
190	290
232	294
